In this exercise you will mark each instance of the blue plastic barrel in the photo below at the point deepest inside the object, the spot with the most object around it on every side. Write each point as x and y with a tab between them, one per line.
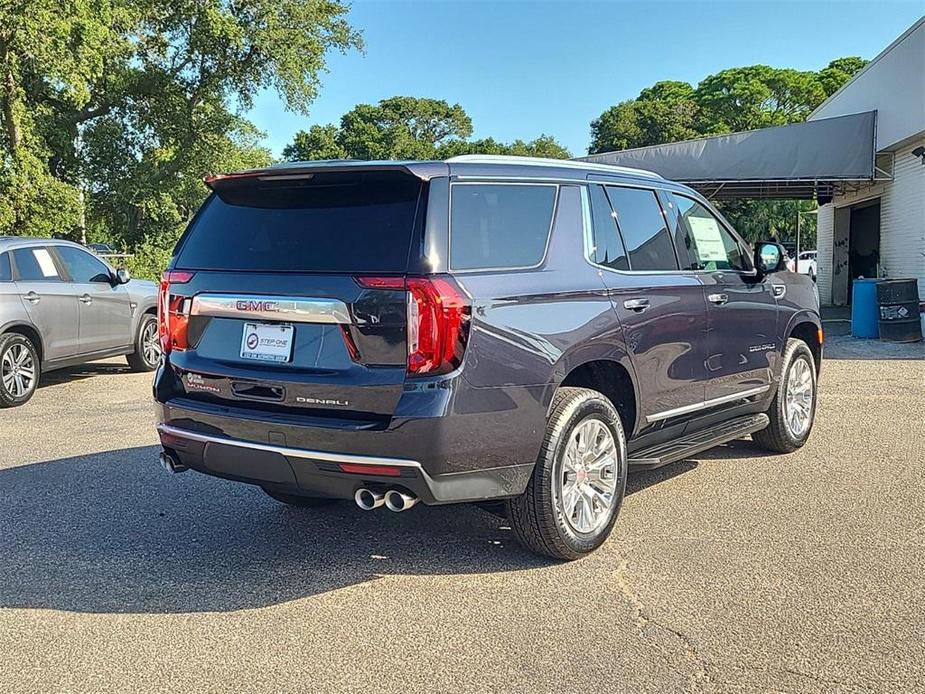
864	310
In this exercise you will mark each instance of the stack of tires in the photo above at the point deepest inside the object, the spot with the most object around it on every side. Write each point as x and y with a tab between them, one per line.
898	301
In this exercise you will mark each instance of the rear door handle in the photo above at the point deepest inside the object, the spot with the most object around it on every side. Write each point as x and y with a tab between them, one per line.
85	299
718	298
32	298
637	305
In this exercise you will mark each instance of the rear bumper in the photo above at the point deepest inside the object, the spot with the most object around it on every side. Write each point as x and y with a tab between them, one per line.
267	450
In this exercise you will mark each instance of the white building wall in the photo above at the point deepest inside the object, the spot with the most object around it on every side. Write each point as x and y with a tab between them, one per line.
825	232
902	223
893	84
902	219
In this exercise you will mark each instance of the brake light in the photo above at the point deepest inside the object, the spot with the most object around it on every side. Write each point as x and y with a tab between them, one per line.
172	320
438	320
438	324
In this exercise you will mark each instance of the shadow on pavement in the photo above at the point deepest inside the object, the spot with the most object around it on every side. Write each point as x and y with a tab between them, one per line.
114	533
81	372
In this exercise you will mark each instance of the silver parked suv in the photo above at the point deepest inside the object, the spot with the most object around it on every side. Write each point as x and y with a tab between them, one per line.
60	305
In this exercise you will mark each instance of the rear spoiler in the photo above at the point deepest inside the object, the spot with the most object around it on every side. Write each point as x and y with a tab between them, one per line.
424	170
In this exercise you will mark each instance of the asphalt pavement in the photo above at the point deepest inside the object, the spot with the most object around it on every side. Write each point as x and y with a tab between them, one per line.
732	572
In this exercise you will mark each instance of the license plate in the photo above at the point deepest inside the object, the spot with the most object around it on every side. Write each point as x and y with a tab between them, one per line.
267	342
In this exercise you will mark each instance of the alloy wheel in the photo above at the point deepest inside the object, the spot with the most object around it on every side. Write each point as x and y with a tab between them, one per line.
150	344
17	370
799	398
586	481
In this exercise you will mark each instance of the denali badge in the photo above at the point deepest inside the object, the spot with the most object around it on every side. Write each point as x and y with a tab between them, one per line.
323	401
256	305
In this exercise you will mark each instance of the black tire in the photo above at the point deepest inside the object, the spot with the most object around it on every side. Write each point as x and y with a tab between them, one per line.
534	515
298	500
14	342
137	360
779	436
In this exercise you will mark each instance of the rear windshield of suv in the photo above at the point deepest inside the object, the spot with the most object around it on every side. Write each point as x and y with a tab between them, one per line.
330	222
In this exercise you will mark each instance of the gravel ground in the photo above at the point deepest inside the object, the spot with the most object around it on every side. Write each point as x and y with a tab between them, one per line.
733	572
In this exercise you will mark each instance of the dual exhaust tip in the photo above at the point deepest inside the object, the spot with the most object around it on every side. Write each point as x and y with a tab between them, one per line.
393	499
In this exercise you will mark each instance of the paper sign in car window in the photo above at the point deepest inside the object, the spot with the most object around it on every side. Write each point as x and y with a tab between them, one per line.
708	239
45	262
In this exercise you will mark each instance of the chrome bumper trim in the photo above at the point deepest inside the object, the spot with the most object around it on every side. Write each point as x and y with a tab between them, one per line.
275	308
287	451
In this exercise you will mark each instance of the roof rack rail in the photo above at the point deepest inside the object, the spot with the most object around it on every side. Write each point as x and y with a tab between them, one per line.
541	161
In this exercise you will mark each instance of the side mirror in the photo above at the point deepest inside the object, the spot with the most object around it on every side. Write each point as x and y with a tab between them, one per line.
122	276
769	257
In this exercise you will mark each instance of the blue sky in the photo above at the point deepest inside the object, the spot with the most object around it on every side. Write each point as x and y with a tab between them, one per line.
525	68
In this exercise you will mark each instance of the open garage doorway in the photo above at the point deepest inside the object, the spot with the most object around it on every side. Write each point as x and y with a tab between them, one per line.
856	251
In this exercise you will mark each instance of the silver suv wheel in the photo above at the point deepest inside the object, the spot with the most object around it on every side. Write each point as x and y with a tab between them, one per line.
585	482
17	370
150	344
799	397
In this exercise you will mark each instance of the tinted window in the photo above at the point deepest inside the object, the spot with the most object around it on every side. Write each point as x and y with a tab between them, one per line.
712	247
608	246
327	223
35	264
81	266
640	219
500	225
5	273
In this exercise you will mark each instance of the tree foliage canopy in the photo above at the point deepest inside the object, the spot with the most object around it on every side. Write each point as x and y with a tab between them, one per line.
405	127
732	100
112	111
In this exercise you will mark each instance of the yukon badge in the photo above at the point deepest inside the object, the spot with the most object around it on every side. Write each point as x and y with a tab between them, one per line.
257	305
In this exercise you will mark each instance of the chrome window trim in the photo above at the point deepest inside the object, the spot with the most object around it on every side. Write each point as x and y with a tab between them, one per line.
589	246
288	308
286	450
687	409
504	268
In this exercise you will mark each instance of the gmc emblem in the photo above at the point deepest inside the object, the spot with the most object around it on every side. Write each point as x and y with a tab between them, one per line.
256	305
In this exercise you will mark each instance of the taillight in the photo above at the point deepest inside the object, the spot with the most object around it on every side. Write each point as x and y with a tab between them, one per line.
172	320
438	324
438	320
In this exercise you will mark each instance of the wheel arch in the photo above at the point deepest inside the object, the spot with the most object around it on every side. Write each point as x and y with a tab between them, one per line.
612	377
28	330
808	328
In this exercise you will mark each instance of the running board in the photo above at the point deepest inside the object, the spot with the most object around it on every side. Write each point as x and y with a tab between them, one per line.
687	446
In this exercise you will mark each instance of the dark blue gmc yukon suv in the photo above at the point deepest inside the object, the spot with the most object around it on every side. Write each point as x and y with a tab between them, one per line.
518	333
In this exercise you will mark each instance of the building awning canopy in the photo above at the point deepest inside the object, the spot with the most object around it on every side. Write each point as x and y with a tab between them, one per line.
803	160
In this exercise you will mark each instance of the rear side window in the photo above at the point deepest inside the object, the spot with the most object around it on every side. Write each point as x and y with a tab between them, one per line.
35	265
500	225
608	246
640	219
327	222
6	274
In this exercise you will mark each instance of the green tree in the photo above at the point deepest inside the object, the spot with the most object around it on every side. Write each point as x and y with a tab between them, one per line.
732	100
737	99
839	71
126	105
664	112
405	127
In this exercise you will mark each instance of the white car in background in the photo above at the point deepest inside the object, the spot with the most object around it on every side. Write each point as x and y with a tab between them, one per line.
806	266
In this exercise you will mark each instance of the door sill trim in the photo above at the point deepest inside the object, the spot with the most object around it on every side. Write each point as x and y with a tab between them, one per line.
697	406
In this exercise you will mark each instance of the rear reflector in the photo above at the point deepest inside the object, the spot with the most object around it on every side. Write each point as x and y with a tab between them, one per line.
361	469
